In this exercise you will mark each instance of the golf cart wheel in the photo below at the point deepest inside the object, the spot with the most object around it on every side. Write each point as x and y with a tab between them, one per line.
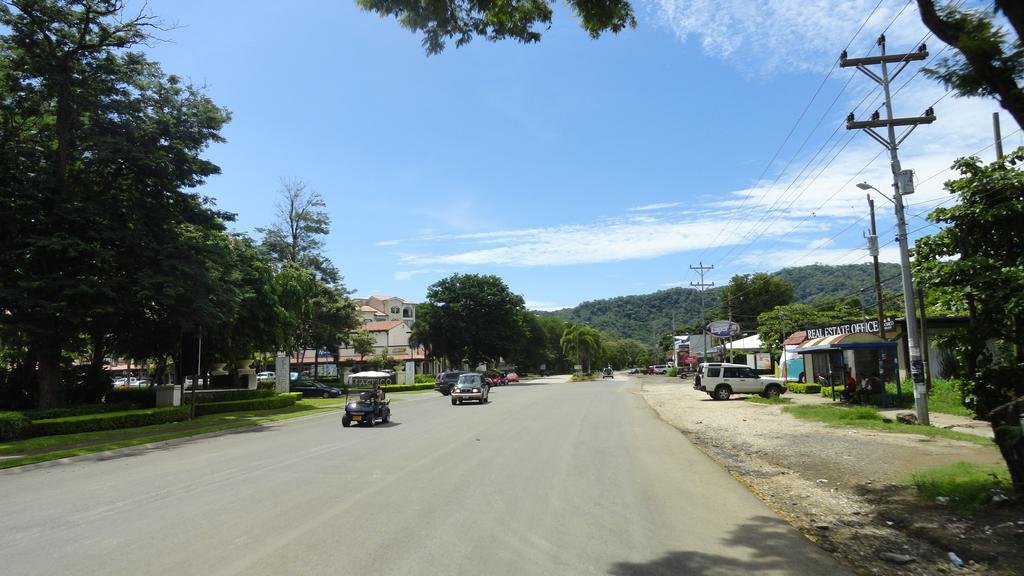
772	391
346	421
386	418
722	392
371	422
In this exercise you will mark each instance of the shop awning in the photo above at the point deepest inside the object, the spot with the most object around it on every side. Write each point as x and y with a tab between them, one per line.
859	341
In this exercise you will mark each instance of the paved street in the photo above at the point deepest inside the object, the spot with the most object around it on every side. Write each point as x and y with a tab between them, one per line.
551	478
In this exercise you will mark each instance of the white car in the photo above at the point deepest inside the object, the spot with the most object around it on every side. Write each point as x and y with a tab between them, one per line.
721	380
266	377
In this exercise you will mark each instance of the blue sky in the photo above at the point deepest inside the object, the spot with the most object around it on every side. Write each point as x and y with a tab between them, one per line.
574	169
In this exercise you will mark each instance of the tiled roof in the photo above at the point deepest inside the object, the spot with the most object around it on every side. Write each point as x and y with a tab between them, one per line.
380	326
365	308
795	338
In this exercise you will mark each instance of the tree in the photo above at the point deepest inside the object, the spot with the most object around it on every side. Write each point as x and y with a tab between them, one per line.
583	343
748	295
97	147
297	236
470	318
973	271
443	20
362	343
989	63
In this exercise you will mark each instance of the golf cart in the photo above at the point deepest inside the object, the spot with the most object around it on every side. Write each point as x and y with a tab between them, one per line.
364	399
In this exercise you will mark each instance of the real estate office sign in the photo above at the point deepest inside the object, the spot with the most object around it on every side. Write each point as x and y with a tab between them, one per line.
870	326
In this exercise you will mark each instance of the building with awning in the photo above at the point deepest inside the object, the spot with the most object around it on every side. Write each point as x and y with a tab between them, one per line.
832	360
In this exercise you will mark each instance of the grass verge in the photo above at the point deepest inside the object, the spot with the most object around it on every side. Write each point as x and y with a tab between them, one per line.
968	486
762	400
867	417
46	448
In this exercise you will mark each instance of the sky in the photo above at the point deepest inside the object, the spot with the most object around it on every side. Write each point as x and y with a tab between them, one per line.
575	169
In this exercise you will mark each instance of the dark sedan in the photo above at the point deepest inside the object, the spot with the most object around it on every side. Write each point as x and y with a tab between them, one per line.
311	389
446	381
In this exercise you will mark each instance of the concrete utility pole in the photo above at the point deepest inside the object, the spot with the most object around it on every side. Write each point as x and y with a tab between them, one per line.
903	183
873	250
998	135
700	268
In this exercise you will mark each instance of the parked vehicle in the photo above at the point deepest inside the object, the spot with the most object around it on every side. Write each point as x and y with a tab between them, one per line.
445	381
660	368
721	380
496	378
471	386
511	377
266	377
313	389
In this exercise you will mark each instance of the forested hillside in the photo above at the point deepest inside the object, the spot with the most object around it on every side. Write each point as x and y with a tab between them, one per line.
646	317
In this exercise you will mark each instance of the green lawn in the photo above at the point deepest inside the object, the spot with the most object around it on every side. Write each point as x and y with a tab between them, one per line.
867	417
33	450
966	485
761	400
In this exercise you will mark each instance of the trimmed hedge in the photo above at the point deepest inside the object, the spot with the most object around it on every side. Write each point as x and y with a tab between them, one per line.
140	397
48	413
407	387
271	403
803	388
13	425
108	421
210	396
425	379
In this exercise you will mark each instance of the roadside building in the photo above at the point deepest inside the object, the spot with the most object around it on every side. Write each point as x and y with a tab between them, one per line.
385	308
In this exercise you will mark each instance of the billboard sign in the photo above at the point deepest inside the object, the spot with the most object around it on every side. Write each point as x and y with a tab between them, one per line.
723	328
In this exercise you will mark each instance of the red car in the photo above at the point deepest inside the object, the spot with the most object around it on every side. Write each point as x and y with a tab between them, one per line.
496	378
512	377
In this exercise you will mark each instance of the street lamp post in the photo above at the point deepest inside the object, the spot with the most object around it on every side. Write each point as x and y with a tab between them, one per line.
910	311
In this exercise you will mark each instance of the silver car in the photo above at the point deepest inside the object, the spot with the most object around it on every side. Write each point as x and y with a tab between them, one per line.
471	386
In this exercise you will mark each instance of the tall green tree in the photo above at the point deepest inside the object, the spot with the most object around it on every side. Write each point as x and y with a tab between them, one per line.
748	295
989	60
470	318
297	237
975	266
362	343
461	20
92	137
583	343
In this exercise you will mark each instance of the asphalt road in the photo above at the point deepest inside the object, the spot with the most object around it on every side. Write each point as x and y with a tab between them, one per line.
551	478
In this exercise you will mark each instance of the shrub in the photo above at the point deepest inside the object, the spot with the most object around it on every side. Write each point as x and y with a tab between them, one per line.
803	388
139	397
13	425
48	413
271	403
208	396
408	387
424	378
266	385
673	372
107	421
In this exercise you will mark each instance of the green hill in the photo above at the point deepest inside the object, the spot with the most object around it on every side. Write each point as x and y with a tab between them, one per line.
646	317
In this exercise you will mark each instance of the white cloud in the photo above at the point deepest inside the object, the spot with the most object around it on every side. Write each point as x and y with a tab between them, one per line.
387	243
772	35
543	306
407	274
657	206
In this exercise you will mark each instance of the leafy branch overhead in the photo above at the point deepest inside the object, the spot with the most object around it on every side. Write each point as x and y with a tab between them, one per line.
522	20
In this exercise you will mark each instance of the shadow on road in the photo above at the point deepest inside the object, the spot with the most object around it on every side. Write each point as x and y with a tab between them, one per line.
771	541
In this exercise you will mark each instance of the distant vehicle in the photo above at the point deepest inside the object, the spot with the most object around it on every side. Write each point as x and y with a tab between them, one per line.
446	381
266	377
512	377
313	389
721	380
471	386
660	368
607	373
121	382
496	378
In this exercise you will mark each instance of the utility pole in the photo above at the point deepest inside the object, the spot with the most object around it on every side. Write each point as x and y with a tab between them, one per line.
700	268
997	133
873	250
903	183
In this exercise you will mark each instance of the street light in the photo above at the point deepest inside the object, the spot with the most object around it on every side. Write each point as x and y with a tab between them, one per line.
910	312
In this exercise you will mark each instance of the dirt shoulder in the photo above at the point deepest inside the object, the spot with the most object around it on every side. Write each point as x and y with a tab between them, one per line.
840	486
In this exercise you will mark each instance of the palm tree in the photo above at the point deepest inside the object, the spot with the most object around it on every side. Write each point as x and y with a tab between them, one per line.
581	341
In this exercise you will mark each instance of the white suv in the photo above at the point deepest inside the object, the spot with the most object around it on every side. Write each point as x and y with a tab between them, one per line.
721	380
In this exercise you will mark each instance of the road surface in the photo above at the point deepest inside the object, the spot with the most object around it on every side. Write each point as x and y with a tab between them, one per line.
548	478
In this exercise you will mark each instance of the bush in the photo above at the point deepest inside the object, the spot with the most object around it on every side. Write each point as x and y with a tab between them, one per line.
139	397
13	425
425	378
271	385
208	396
107	421
408	387
48	413
673	372
798	388
271	403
